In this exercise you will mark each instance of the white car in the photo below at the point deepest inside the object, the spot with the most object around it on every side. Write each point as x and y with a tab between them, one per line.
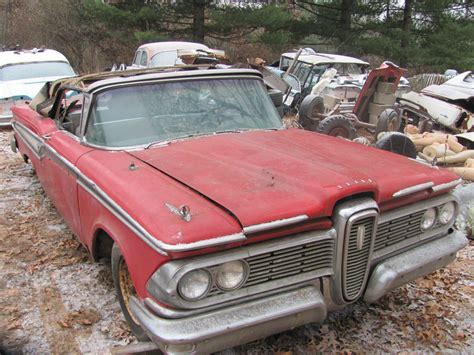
24	72
164	54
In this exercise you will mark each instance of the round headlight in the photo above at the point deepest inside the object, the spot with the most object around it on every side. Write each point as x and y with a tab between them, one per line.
195	284
428	219
231	275
446	212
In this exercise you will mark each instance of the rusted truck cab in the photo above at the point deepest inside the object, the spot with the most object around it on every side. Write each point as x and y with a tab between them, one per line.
221	225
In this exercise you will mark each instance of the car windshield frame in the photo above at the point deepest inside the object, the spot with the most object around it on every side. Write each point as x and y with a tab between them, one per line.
87	116
23	64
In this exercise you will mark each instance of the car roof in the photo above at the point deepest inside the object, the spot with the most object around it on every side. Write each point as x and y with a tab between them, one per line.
324	58
28	56
94	82
156	47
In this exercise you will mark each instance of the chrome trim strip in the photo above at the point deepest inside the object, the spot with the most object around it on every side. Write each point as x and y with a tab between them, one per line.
413	189
31	139
275	224
447	185
117	211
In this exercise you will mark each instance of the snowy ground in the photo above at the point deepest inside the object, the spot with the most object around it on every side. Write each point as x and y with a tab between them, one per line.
54	300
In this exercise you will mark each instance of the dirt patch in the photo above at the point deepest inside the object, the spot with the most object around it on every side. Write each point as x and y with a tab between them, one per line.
53	299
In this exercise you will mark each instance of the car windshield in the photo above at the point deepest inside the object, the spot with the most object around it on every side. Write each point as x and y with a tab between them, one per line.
35	70
147	113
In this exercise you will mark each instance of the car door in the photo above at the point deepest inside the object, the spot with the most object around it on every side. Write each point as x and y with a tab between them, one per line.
62	151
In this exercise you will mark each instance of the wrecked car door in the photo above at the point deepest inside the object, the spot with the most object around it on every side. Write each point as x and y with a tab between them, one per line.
63	150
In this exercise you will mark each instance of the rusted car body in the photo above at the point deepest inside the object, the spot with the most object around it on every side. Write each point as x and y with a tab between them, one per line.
449	105
222	226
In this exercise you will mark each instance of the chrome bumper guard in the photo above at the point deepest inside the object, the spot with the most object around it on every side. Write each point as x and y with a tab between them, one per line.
422	260
228	327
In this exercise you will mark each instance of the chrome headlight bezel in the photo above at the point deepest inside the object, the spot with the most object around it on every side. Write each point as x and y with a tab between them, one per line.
431	213
186	278
243	278
452	215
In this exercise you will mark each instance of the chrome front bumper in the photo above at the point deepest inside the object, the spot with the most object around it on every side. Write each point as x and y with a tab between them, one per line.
422	260
227	327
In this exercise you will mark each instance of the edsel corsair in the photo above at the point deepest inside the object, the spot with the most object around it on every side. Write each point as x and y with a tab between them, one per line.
221	225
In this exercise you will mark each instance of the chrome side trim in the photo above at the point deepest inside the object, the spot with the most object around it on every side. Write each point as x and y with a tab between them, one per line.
113	207
31	139
274	224
446	186
413	189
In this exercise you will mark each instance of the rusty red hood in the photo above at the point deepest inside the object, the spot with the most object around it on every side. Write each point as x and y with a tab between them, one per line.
263	176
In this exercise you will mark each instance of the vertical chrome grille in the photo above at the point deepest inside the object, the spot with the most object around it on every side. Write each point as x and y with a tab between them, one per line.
357	249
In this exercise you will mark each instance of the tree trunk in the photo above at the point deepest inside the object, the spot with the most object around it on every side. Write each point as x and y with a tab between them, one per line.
406	32
199	8
345	21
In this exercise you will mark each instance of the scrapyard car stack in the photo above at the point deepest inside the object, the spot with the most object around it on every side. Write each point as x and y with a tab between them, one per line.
222	226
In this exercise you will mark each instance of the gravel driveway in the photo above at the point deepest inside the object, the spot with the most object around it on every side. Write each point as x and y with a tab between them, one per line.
53	299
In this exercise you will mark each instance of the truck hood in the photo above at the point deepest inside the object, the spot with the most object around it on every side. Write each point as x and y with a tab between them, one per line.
264	176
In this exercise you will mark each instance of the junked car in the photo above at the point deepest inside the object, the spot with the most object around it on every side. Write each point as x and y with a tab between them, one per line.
310	68
24	72
163	54
449	106
223	227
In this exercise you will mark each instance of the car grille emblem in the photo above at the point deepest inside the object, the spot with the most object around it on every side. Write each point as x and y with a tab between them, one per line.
360	237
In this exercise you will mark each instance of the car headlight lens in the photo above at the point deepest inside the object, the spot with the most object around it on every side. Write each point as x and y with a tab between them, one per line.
195	284
446	212
231	275
428	219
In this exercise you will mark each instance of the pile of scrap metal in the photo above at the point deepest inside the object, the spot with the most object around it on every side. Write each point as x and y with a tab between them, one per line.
373	108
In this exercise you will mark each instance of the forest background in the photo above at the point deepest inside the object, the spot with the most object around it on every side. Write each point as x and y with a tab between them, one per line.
420	35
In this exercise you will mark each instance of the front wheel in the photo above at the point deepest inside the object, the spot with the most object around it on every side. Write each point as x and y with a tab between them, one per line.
125	290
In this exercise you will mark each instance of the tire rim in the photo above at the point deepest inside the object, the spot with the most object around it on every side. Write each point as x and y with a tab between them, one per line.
126	287
338	132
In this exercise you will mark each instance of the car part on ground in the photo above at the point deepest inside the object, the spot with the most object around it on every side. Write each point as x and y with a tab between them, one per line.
398	143
445	150
388	121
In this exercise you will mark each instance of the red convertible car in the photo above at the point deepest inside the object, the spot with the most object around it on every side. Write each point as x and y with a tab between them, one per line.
221	226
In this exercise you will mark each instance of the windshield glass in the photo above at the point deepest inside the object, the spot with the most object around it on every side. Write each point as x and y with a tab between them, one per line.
146	113
35	70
